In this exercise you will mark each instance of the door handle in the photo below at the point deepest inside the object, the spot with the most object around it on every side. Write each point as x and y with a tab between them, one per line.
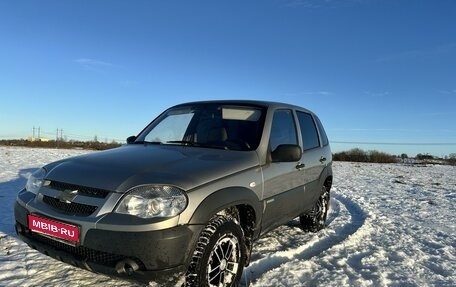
322	159
300	166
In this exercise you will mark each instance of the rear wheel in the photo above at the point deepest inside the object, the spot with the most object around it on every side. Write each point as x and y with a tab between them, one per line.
314	220
220	255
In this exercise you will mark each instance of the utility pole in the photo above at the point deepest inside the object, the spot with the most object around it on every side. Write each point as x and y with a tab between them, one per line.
59	138
39	132
33	137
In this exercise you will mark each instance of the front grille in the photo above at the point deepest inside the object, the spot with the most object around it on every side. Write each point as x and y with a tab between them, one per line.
71	208
83	190
86	254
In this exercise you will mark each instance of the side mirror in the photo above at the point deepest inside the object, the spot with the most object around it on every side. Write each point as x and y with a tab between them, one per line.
131	139
286	153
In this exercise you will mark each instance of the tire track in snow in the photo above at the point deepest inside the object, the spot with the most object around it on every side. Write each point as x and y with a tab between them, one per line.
334	210
315	246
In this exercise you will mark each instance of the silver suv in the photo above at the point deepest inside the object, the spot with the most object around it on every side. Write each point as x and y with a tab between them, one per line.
182	202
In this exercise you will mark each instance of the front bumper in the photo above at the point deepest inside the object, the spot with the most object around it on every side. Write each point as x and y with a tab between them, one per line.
159	255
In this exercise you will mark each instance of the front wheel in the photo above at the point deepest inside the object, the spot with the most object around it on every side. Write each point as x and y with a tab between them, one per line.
314	220
220	255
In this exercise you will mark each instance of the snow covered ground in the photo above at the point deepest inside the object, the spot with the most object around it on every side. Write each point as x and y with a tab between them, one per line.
389	225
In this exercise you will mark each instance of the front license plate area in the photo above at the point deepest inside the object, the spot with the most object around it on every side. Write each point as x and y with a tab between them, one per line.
60	231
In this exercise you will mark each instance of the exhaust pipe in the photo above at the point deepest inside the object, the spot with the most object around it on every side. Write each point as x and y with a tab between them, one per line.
127	266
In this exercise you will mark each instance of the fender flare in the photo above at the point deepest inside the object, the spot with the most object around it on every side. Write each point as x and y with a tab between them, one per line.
327	173
225	198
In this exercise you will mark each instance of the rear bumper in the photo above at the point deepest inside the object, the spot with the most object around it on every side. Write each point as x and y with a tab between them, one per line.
160	255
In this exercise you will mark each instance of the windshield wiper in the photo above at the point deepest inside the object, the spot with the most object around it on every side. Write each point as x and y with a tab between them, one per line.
146	142
192	143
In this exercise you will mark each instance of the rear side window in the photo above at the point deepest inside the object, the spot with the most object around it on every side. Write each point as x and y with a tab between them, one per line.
323	135
283	129
308	131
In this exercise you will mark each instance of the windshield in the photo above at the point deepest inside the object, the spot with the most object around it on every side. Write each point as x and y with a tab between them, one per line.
208	125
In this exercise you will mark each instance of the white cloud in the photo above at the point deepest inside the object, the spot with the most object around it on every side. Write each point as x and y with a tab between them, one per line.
315	93
93	64
374	130
128	83
418	53
324	3
448	92
324	93
319	93
303	3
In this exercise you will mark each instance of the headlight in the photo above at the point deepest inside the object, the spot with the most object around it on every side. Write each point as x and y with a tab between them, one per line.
149	201
35	181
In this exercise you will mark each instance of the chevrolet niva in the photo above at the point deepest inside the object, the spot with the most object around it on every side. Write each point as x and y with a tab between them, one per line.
184	201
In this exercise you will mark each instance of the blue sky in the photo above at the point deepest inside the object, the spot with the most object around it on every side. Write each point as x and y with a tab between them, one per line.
374	71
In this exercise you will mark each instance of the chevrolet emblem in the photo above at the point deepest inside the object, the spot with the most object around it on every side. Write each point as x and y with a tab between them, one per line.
67	195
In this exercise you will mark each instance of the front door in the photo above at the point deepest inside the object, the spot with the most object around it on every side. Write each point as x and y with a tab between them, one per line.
283	181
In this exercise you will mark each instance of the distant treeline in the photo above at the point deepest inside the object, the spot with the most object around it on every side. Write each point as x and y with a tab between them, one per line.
354	155
91	145
359	155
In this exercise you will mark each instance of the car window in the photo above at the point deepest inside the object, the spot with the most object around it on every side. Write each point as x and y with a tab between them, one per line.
171	128
323	135
283	130
211	125
308	131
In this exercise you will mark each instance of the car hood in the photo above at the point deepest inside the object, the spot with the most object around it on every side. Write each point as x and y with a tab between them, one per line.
122	168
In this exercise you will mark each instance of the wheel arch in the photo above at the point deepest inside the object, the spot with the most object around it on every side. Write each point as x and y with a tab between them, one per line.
244	200
326	177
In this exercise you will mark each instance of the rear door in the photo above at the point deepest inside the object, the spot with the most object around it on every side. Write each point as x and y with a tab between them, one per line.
313	157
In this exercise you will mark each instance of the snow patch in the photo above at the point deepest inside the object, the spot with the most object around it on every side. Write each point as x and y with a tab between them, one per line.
388	225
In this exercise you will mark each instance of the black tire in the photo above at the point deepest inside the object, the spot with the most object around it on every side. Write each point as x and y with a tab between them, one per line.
219	256
314	220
